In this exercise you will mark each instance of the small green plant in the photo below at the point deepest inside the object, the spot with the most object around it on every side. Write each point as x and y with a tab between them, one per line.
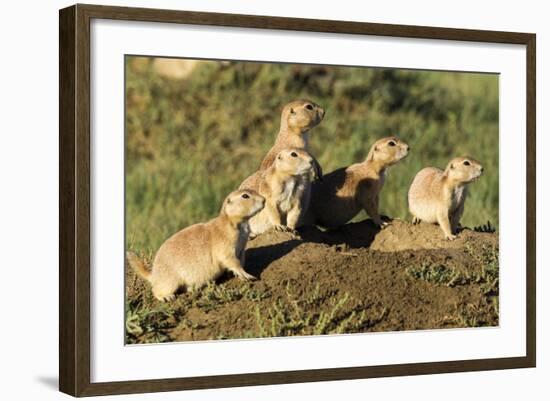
215	295
432	273
485	274
486	259
472	315
146	324
291	316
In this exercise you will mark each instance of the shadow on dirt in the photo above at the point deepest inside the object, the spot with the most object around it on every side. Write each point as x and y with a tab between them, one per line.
257	259
354	235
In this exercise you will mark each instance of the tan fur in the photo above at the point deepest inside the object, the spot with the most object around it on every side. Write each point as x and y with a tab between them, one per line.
346	191
284	185
438	196
297	119
200	253
253	181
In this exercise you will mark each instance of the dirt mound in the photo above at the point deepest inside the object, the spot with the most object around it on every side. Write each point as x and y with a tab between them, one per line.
353	279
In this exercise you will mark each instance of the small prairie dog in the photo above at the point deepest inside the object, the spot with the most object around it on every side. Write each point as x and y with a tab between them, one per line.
199	253
438	196
297	118
348	190
284	185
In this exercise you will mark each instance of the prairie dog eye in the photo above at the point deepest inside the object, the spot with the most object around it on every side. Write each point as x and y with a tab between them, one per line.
466	163
245	196
309	106
294	154
391	143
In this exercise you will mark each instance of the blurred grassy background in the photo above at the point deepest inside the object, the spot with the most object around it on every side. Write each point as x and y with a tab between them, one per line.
195	130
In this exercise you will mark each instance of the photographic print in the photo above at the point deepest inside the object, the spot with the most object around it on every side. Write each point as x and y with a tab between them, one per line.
242	204
275	200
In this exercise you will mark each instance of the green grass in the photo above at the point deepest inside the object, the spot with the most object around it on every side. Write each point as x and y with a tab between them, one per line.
485	271
213	295
150	321
190	142
147	324
292	315
437	273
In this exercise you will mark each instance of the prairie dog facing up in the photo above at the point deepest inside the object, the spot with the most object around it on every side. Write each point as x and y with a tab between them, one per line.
348	190
438	196
285	185
297	119
200	253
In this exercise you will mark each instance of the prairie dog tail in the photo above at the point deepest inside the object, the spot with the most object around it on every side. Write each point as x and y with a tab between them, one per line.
137	264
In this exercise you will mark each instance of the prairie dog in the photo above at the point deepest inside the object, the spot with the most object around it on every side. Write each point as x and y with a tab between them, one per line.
348	190
199	253
284	185
438	196
297	118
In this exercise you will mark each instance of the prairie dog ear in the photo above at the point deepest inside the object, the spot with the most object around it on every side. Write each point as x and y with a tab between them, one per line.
292	111
228	201
376	148
452	166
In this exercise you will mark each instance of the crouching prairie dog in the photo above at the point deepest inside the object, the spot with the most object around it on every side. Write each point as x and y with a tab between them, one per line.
438	196
348	190
297	119
285	185
199	254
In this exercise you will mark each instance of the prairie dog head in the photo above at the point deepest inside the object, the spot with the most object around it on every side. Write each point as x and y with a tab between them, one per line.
243	204
294	162
301	115
463	170
388	150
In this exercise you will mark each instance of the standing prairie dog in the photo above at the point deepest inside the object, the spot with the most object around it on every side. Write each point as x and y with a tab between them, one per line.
348	190
438	196
297	119
199	253
284	185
